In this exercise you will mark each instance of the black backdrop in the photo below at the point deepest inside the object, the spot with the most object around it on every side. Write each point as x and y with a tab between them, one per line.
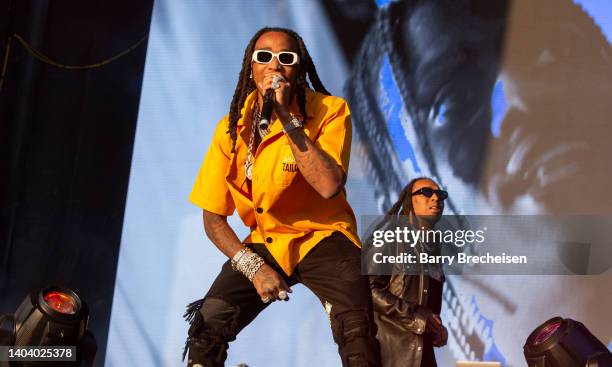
66	139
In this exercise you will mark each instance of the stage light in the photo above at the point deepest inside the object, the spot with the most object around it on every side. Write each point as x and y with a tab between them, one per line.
565	343
61	302
55	316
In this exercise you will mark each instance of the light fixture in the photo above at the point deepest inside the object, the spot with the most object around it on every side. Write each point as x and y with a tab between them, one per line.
55	316
565	343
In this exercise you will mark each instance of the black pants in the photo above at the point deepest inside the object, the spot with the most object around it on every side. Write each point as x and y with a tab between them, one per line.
331	270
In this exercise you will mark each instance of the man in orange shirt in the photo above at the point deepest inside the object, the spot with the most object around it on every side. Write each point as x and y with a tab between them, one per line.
287	184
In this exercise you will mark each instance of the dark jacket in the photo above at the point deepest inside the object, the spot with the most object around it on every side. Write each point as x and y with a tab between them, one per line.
402	305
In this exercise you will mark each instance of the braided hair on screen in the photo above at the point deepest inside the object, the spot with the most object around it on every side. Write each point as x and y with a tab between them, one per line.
246	84
386	42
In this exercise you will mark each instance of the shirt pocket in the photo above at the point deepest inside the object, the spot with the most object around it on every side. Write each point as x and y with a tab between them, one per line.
286	168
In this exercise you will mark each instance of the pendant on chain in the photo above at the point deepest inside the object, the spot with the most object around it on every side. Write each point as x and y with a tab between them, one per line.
248	168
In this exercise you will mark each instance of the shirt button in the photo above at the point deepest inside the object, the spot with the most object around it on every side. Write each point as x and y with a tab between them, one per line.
259	210
269	240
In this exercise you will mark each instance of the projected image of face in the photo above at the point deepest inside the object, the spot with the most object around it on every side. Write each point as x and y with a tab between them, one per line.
468	97
423	85
513	120
516	116
556	82
448	59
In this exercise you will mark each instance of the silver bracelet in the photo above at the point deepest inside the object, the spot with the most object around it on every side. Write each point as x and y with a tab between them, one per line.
249	264
237	257
293	124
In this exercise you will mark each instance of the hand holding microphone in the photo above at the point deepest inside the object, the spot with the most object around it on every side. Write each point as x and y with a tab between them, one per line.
268	102
275	81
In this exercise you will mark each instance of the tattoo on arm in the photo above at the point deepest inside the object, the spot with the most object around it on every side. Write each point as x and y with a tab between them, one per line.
319	170
221	234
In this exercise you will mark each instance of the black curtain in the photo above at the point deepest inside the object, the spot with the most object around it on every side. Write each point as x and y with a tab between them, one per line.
66	139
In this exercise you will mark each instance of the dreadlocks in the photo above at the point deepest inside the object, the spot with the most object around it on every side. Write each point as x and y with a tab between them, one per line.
246	85
400	207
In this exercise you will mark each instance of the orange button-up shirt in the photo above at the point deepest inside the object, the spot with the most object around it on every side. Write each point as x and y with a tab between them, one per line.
282	210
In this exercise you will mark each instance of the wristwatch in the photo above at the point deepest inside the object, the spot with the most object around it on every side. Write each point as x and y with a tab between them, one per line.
293	124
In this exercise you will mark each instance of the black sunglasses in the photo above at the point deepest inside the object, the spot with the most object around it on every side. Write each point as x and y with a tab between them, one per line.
427	191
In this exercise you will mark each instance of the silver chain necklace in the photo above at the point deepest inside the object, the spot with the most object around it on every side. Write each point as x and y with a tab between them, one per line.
250	161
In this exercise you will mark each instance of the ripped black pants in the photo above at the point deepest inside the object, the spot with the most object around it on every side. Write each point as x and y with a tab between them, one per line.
332	270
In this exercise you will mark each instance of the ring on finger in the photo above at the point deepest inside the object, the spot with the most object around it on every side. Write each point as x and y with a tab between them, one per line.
275	81
282	295
265	300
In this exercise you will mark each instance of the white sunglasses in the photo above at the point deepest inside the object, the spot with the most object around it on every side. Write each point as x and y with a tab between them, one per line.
286	58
